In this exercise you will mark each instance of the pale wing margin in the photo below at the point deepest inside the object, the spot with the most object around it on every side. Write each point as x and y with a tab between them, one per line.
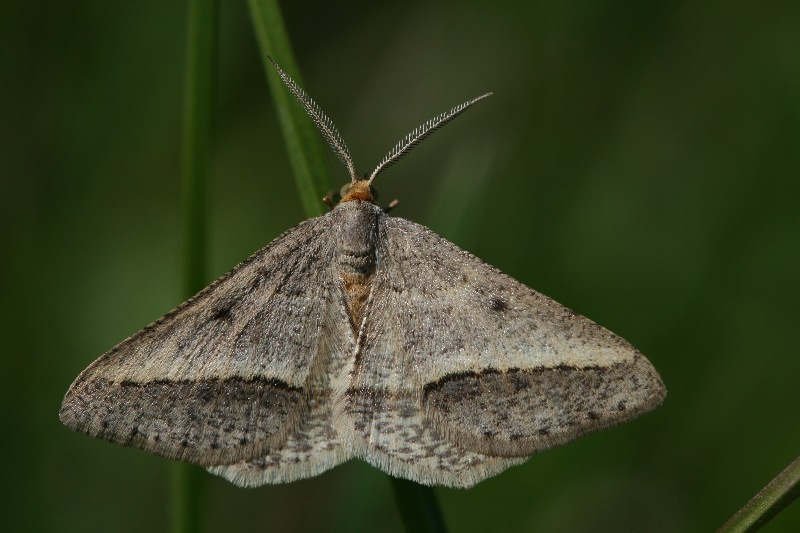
222	378
504	370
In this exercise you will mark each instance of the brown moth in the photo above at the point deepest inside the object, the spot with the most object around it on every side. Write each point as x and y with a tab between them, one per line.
356	334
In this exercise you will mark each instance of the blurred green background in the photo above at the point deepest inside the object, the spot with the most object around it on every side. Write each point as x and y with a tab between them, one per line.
638	162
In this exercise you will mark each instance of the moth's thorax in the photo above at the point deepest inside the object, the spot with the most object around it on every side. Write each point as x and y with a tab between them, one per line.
356	257
357	238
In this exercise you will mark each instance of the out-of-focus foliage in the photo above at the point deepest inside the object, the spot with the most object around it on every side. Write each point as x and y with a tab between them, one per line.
638	163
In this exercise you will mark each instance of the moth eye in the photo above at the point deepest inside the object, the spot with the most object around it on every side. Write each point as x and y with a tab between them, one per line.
374	192
345	190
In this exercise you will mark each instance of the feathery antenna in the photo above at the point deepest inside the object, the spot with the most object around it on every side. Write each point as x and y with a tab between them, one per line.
324	124
336	142
421	133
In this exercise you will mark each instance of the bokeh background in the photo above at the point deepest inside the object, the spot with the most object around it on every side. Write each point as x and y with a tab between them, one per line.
638	162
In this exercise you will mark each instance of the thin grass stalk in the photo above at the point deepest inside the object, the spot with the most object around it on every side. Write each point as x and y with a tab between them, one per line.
307	154
201	67
418	506
768	503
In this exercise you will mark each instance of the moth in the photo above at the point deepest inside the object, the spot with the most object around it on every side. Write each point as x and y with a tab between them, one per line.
360	335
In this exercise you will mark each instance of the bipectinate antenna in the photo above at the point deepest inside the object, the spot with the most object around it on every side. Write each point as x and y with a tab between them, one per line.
324	124
336	142
421	133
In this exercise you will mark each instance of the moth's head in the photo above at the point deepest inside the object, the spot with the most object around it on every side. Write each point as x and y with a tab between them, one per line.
359	190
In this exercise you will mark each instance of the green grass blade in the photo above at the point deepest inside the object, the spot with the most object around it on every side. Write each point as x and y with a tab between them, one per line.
186	483
303	143
418	506
198	103
201	68
770	501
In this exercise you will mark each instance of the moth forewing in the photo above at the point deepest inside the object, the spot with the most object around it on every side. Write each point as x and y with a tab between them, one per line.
209	383
356	334
500	369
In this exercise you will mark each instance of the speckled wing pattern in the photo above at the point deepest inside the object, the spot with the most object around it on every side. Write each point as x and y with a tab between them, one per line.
455	372
461	371
229	374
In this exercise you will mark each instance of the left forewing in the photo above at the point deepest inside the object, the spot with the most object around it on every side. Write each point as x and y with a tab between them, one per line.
224	377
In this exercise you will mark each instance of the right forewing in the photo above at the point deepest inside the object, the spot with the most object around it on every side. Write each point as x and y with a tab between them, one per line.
497	367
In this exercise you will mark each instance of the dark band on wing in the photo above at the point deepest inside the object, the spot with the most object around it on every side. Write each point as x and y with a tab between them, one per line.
518	412
368	405
208	422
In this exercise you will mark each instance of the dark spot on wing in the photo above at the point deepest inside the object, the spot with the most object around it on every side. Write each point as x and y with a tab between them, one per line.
222	310
498	304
